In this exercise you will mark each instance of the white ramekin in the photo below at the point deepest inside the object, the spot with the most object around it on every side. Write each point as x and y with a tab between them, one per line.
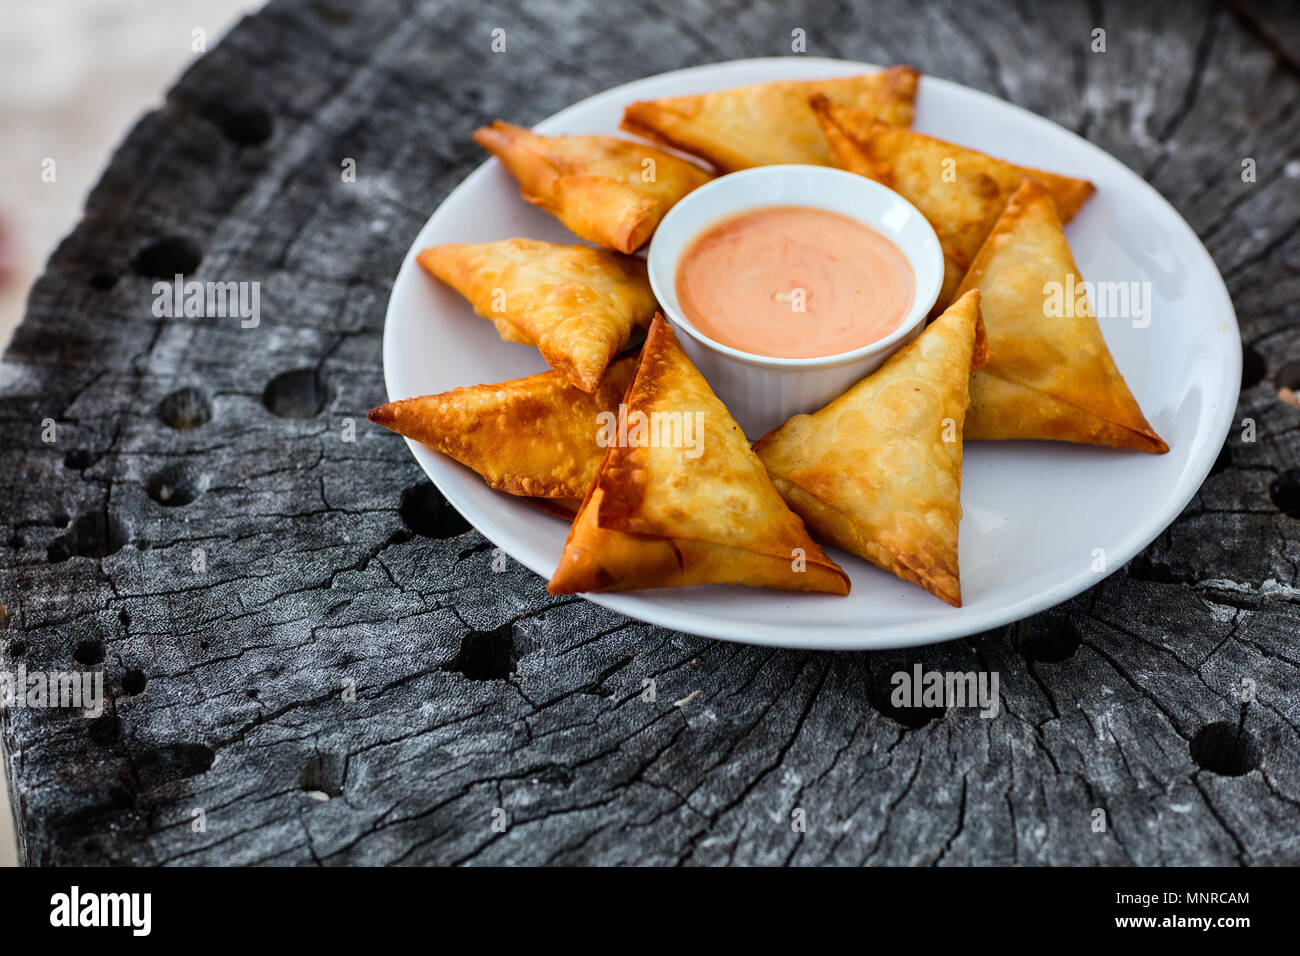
760	391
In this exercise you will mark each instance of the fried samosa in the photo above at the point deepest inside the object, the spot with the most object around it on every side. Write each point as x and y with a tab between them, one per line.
769	123
533	436
878	470
609	191
1048	375
681	499
578	305
960	191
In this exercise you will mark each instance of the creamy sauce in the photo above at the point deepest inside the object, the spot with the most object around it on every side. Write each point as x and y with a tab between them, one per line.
794	282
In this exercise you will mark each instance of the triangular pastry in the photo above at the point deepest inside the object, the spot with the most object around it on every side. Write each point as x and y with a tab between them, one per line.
960	191
533	436
577	304
681	499
878	470
1049	375
768	123
609	191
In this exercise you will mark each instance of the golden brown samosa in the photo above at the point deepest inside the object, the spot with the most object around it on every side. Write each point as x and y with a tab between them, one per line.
609	191
769	123
878	470
533	436
577	304
1048	375
960	191
681	499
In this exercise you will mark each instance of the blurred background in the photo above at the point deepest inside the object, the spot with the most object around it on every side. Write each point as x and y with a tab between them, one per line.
74	77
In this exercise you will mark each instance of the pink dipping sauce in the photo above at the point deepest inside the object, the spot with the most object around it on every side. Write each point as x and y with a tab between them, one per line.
794	282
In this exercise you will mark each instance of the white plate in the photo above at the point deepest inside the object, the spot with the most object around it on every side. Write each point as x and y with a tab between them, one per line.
1037	515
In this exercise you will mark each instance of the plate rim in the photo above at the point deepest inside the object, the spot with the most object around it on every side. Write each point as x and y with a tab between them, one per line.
963	622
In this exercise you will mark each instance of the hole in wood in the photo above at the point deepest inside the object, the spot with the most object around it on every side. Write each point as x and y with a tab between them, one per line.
172	762
104	730
913	718
164	258
426	512
89	653
17	649
1288	376
94	535
242	125
881	688
134	681
486	655
184	409
1047	638
79	459
301	393
553	774
323	775
173	487
1225	748
1252	367
1285	492
1287	382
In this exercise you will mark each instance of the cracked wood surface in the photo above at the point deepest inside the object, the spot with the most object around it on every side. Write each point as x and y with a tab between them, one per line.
234	575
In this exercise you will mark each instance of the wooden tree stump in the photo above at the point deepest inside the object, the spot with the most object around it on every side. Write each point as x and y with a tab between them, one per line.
200	529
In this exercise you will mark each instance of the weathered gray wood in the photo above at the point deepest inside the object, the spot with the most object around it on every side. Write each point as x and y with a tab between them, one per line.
329	561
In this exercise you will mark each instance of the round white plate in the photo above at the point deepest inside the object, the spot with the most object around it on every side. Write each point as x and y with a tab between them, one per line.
1042	521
